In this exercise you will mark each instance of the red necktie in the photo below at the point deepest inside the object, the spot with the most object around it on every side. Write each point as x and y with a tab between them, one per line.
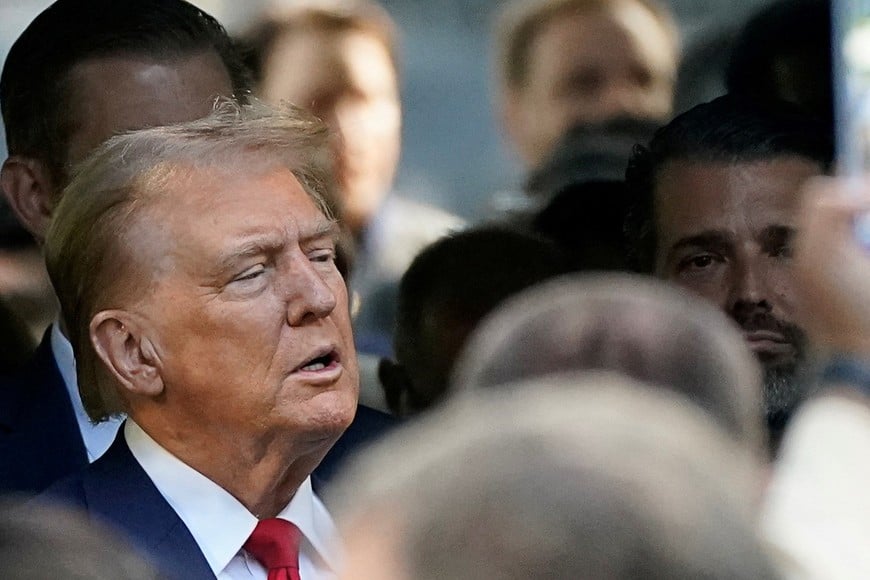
275	545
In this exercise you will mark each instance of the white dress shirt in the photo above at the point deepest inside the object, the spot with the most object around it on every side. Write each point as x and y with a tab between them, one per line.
221	525
97	437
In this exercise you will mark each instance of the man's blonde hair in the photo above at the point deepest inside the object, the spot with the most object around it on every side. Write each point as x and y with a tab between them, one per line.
520	23
85	246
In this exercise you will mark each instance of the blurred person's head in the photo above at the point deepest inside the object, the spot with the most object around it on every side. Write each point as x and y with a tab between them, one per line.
339	60
450	286
626	324
785	53
581	193
564	62
569	477
585	220
49	541
84	71
716	194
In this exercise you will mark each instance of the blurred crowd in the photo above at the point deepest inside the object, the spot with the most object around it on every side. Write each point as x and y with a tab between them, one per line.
231	348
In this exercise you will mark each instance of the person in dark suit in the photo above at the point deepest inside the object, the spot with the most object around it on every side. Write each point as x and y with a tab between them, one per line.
207	308
165	61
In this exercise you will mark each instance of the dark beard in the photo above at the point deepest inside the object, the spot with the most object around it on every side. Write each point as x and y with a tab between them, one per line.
782	391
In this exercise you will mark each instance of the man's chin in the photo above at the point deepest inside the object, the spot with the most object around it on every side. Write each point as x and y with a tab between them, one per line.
783	392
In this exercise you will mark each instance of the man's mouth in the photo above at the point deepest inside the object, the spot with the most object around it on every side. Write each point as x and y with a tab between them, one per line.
320	362
768	344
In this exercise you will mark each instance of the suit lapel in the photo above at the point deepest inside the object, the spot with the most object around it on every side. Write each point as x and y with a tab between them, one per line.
119	491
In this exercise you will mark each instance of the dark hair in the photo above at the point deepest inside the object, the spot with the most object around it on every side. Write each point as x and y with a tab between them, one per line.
730	129
455	282
34	87
784	52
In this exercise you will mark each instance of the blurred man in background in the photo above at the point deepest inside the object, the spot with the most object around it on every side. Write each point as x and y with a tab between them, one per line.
564	62
340	61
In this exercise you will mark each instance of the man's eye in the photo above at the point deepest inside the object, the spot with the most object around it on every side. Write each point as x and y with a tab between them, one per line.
250	274
700	262
322	256
784	251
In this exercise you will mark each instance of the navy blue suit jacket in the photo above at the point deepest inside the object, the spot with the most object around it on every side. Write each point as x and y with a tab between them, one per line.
116	491
40	441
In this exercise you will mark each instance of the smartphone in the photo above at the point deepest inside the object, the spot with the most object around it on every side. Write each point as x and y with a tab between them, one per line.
851	45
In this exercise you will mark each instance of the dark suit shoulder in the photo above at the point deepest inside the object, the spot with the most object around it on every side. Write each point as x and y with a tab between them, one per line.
40	440
116	491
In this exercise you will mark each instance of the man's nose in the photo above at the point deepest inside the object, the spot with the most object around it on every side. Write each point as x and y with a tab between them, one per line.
748	286
309	296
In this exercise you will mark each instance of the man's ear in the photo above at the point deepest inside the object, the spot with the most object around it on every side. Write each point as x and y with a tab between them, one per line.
28	187
127	351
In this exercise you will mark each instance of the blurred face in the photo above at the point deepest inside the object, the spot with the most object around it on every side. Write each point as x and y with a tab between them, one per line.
348	80
114	94
725	232
590	66
248	313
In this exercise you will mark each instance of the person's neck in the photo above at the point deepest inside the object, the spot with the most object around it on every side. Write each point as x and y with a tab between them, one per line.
263	473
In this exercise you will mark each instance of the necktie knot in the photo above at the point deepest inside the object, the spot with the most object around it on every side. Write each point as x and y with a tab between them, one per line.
275	544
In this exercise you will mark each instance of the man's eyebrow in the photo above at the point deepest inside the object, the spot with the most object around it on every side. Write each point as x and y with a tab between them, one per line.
778	233
705	239
248	247
322	229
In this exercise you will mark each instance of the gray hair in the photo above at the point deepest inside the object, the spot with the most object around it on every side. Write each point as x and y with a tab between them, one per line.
637	326
84	246
607	480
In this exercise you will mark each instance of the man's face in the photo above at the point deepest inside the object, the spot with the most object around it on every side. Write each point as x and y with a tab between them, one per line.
246	309
724	231
590	66
348	80
114	94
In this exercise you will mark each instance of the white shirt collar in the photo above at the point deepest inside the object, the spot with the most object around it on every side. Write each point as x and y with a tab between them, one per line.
218	522
97	437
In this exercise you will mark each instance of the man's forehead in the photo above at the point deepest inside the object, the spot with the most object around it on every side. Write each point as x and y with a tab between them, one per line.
702	185
717	195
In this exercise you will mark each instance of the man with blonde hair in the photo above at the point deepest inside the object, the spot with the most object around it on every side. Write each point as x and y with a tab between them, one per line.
567	62
195	269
